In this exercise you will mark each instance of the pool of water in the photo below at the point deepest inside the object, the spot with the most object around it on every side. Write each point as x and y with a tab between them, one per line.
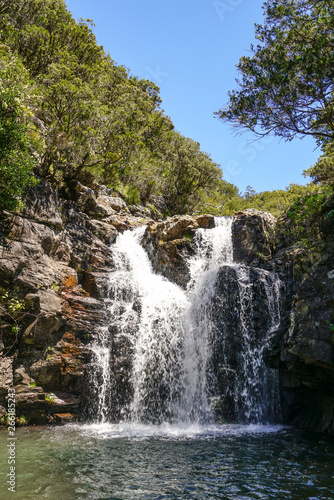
129	462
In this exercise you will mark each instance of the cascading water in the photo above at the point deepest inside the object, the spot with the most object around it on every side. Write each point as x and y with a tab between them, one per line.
259	316
185	356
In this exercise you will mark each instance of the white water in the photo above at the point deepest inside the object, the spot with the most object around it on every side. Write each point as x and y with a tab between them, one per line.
174	431
258	384
169	333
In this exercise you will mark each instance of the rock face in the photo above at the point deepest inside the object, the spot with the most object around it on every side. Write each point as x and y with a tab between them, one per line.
169	245
52	277
304	348
251	236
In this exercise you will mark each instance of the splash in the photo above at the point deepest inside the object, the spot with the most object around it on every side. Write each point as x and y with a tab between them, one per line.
167	354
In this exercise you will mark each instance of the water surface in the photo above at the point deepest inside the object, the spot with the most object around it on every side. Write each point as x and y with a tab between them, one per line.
130	462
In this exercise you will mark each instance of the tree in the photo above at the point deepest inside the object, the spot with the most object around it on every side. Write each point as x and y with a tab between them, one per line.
249	193
16	162
323	171
189	172
88	114
287	85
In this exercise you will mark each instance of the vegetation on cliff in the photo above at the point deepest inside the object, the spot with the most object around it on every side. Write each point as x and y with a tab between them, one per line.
84	112
77	110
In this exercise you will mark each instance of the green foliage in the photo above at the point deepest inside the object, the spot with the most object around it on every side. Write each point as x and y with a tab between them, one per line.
189	172
66	107
13	303
88	113
16	162
277	201
323	171
21	421
287	85
331	325
50	399
306	225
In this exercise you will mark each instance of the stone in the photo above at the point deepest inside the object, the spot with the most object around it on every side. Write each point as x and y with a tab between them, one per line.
205	221
6	375
86	201
42	331
3	413
21	377
173	228
111	203
251	231
28	262
102	230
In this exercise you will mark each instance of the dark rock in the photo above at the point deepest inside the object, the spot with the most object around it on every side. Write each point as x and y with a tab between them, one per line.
251	236
169	245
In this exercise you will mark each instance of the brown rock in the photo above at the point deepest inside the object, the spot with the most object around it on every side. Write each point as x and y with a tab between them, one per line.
205	221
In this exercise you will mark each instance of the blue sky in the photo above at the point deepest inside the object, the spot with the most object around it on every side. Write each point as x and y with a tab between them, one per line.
190	50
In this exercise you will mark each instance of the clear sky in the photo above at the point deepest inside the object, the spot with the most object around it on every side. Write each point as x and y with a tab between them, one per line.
190	49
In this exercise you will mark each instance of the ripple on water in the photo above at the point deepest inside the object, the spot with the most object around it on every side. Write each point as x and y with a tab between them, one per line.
136	462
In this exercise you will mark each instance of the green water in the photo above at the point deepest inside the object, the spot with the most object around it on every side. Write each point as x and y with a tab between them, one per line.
137	462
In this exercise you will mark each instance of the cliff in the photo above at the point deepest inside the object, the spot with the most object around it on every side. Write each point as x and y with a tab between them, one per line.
54	266
52	270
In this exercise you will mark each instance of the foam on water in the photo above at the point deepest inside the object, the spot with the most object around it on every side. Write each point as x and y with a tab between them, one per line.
170	431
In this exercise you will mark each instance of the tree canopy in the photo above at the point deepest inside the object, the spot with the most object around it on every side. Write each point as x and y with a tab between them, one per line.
88	113
286	86
66	107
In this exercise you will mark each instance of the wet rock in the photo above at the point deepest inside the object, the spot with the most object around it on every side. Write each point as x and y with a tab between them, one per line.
62	418
169	245
171	259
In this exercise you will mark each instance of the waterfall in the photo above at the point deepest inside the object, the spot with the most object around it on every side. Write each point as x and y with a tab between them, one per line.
177	355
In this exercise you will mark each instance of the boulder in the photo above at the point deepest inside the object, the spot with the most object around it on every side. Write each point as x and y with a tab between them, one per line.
104	231
251	232
111	203
173	228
